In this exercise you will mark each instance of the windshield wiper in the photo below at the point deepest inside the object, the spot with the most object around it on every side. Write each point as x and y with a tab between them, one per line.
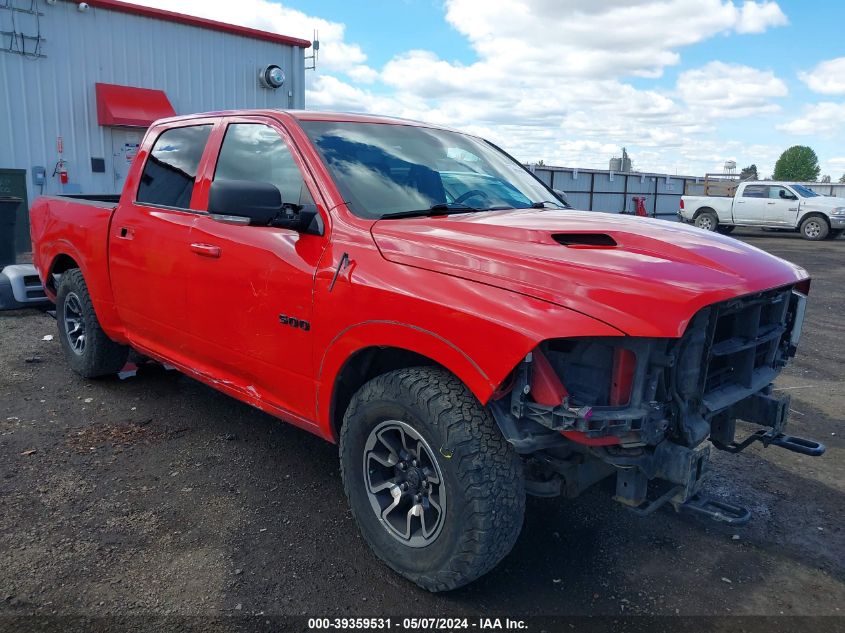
542	204
441	208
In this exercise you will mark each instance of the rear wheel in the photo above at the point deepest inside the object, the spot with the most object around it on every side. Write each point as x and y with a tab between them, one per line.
814	228
437	492
88	350
707	220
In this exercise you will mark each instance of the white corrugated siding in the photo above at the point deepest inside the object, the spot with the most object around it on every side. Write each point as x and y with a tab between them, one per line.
199	70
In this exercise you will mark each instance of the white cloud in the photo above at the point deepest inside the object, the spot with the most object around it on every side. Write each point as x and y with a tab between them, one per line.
604	38
549	77
363	74
335	53
756	17
730	90
826	78
819	118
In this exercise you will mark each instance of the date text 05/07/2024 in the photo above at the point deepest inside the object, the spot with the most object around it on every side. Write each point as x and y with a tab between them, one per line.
417	624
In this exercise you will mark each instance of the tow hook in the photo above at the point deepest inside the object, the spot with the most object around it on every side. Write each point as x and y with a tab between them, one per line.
699	504
789	442
721	511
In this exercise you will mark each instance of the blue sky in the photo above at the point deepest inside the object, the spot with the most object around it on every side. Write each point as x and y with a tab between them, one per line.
684	84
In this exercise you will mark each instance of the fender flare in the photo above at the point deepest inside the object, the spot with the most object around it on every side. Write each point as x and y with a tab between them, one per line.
103	306
807	214
701	210
412	338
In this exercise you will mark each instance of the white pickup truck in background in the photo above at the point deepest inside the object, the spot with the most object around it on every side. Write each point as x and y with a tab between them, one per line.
772	205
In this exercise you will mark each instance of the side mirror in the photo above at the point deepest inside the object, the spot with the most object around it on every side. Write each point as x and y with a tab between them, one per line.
259	202
301	218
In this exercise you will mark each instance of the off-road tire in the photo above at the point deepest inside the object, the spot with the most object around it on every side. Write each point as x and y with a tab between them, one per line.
100	356
482	475
707	220
814	228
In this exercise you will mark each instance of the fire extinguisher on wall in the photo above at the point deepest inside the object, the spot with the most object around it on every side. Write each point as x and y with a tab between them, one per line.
61	171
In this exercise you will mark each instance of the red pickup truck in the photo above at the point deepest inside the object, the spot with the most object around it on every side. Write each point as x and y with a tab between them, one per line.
418	296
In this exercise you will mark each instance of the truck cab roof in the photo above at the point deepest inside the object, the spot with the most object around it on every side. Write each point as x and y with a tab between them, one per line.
303	115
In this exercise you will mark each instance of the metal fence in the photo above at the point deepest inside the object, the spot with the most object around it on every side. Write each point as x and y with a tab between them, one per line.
613	192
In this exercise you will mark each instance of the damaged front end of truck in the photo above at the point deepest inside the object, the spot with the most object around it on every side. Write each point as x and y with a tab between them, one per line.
582	409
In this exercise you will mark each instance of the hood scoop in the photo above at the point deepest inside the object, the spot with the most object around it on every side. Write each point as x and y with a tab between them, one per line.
584	240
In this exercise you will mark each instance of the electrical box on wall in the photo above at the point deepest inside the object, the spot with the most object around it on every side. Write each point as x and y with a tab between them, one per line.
39	174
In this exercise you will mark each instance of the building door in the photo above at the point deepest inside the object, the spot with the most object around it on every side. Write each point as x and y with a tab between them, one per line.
125	144
13	183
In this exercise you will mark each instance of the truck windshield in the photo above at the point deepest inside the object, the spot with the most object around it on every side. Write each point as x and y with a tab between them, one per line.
804	192
385	170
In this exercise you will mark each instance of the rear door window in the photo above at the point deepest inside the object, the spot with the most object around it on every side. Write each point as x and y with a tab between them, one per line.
171	169
756	191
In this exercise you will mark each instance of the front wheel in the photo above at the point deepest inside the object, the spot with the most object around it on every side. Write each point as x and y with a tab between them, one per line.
707	220
814	228
435	489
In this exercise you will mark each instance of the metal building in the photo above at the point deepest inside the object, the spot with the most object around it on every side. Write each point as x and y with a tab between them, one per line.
80	82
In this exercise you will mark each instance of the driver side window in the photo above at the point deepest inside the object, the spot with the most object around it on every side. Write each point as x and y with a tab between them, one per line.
255	152
780	193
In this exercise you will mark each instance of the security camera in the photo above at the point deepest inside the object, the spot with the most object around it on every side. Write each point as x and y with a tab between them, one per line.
83	7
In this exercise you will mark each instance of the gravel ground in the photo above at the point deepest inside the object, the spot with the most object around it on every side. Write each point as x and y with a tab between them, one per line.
158	495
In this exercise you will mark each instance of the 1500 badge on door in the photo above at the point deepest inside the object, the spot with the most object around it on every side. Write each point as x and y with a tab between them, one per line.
305	326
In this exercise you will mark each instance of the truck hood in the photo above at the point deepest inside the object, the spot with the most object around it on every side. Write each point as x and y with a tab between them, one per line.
824	202
644	277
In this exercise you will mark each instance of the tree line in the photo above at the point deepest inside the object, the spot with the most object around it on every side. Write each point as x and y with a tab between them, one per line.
799	163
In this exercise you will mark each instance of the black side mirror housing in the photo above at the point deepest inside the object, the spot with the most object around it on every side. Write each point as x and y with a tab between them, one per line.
301	218
260	202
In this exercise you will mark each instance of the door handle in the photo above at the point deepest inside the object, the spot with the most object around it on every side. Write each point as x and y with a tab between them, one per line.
770	203
126	233
206	250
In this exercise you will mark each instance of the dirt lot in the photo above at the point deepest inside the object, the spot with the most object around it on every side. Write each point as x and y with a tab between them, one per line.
156	494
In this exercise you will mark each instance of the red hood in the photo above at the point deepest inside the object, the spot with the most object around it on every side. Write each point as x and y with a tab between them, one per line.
651	283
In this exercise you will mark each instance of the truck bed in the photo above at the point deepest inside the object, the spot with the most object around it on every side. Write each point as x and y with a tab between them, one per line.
77	227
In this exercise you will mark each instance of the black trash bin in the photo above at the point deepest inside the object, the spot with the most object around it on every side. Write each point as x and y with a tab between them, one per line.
8	217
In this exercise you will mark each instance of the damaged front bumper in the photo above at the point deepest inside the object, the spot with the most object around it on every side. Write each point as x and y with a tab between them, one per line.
642	408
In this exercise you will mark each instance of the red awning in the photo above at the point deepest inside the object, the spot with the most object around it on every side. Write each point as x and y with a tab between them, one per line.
126	105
